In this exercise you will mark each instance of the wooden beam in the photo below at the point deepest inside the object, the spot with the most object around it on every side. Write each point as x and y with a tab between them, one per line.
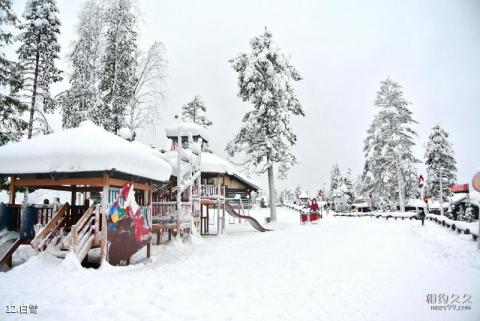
69	189
11	191
74	195
33	182
121	182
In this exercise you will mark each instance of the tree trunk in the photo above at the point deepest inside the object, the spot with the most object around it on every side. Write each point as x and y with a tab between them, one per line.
441	192
400	192
271	187
34	94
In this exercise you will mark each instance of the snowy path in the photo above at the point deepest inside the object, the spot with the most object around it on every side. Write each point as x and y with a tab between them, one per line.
341	269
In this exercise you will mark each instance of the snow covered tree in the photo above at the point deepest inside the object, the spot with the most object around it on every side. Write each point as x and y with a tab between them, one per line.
265	79
118	77
38	50
11	125
193	111
335	179
347	188
82	100
150	75
440	162
389	162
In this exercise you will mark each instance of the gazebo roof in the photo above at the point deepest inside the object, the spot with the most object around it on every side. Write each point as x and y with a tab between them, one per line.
85	149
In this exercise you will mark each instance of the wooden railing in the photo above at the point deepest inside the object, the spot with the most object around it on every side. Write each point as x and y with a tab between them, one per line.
208	191
51	228
44	214
166	212
83	233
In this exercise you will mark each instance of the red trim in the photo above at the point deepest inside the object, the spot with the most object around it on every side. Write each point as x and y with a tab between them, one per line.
463	188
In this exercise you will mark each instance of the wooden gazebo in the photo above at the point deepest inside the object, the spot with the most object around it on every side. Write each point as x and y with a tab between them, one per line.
87	160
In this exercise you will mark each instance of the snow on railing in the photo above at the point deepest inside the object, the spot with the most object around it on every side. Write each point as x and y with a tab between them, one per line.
466	227
209	191
166	212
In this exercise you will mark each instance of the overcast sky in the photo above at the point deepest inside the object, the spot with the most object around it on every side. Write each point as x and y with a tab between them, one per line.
343	50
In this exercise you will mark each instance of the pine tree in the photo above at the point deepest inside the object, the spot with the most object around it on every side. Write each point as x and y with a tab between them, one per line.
82	100
118	66
348	190
440	162
11	125
389	162
265	79
193	111
335	179
336	186
37	53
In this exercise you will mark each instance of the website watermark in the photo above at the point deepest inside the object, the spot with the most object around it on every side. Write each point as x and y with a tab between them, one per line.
449	302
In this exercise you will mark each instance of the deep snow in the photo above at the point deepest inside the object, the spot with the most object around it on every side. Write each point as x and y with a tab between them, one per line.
341	269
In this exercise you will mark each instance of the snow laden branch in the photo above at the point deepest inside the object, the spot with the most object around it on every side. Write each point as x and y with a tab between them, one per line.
389	170
83	99
440	162
150	77
265	79
39	48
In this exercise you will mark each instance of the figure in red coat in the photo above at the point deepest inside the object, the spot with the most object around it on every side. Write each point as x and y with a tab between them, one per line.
314	211
314	206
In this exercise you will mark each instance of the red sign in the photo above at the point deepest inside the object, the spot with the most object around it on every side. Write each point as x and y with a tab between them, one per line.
463	188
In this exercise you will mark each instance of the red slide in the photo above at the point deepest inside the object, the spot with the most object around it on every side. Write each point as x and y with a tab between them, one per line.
230	210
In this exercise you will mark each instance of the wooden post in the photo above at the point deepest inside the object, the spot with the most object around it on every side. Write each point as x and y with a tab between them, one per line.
105	196
103	237
74	195
11	190
74	239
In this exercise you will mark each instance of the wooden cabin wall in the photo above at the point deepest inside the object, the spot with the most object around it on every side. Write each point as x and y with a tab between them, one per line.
224	180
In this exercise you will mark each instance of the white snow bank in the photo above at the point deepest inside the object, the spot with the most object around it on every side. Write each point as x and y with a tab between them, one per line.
185	129
342	269
86	148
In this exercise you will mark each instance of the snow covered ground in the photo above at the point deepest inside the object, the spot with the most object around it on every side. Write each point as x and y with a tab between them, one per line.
341	269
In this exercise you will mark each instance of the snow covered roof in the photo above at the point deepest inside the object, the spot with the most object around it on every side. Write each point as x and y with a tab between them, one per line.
415	203
361	204
83	149
186	128
458	197
436	204
303	195
211	163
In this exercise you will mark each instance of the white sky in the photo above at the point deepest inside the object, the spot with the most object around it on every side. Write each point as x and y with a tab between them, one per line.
343	50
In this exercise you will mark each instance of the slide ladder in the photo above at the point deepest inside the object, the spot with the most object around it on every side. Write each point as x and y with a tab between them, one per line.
231	211
80	239
52	232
